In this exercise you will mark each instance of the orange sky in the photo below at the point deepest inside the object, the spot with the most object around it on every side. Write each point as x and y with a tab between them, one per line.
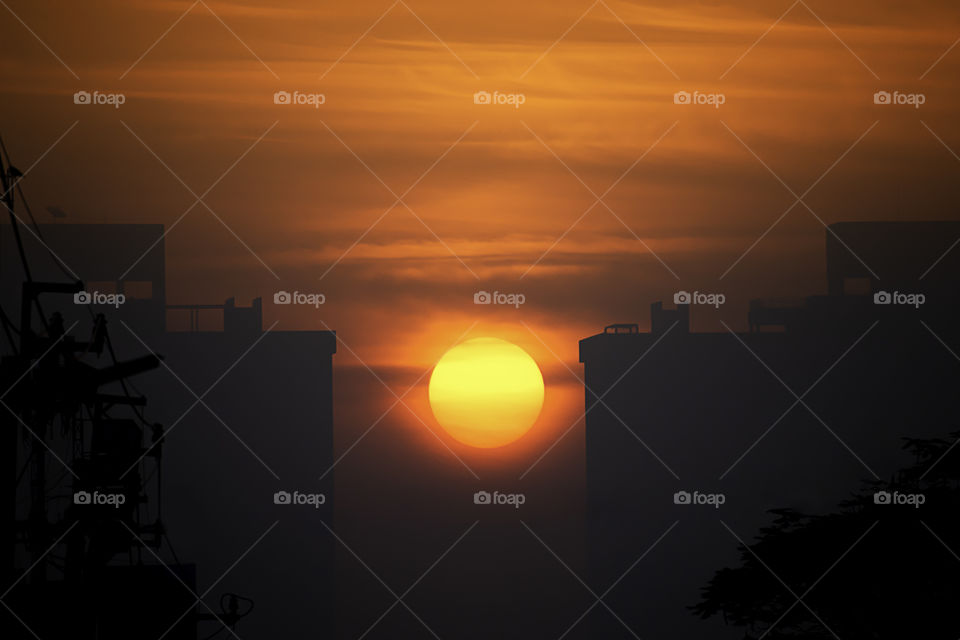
494	187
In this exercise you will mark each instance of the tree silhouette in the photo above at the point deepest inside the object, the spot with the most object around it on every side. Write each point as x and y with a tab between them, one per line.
868	571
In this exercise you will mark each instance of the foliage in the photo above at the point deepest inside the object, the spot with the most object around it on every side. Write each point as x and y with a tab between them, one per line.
866	571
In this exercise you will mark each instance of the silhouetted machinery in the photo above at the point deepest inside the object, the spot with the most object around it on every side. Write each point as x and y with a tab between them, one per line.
82	528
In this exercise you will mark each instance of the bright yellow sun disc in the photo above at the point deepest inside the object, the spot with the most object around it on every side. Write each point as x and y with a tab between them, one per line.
486	392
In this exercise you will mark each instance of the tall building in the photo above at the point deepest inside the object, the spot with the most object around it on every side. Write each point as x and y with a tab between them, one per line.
246	419
815	397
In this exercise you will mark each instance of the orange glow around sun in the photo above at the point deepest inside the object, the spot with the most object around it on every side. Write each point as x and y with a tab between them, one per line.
486	392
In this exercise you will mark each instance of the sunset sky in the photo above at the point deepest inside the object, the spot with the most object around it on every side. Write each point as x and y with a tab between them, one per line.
494	196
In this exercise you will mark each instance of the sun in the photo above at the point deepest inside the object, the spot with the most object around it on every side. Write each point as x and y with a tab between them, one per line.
486	392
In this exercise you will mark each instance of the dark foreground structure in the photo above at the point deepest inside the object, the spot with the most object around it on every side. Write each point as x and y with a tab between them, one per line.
701	434
100	397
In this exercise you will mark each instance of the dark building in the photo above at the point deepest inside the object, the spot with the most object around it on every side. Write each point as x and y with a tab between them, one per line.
814	398
247	418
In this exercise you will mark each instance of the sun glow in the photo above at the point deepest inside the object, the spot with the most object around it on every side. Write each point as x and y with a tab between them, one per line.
486	392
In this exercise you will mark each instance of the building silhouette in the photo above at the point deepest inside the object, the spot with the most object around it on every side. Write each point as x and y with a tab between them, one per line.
243	413
814	397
